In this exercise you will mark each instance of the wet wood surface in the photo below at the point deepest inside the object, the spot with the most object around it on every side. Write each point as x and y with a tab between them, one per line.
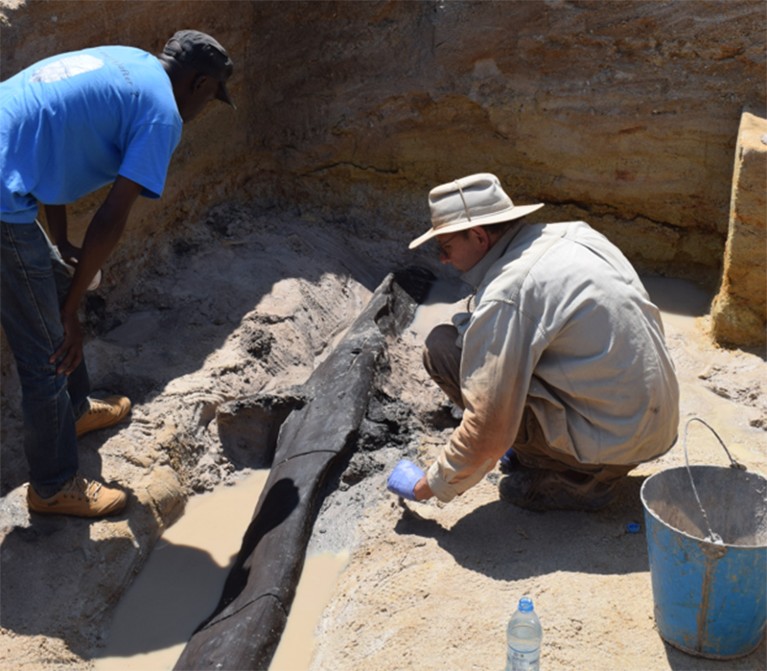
314	442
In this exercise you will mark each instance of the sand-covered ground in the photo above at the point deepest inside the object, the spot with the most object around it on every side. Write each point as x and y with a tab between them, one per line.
432	585
251	306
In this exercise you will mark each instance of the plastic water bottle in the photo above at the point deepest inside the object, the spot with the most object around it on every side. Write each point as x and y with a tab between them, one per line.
523	636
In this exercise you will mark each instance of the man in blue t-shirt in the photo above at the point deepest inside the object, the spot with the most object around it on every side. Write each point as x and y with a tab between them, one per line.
69	125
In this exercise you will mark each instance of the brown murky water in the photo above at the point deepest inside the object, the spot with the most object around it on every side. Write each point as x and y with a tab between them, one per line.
182	582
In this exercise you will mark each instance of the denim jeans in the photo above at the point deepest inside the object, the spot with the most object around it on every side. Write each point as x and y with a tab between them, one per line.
34	282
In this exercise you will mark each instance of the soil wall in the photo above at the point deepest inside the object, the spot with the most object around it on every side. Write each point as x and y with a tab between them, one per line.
623	113
739	309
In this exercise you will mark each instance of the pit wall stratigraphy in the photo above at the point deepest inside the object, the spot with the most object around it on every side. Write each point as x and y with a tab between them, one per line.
739	309
622	113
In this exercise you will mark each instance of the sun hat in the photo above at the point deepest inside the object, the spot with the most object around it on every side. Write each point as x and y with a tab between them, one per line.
204	54
476	200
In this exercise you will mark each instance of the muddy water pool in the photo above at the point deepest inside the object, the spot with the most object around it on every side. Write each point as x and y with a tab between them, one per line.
182	581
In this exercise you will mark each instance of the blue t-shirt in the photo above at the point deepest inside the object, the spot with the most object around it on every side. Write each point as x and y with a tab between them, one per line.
72	123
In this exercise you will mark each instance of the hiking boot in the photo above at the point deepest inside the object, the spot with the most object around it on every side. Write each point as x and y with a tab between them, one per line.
540	490
102	414
79	497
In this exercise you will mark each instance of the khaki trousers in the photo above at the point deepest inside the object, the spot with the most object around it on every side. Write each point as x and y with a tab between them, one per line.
442	360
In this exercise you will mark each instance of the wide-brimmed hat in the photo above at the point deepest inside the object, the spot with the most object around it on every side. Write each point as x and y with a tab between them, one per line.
476	200
202	53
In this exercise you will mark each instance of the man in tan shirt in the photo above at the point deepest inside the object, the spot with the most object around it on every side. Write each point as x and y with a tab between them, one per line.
561	365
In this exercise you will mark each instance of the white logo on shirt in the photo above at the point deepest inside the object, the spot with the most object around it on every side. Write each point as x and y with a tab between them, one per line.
67	67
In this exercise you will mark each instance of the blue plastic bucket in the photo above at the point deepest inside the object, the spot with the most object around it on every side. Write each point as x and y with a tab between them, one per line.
707	545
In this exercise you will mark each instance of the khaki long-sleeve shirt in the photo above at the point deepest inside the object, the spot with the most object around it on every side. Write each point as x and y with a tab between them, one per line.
563	325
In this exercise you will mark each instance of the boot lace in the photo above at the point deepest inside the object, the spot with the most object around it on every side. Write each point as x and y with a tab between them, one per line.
79	487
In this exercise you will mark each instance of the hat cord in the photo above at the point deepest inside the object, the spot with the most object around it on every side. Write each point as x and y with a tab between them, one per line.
465	206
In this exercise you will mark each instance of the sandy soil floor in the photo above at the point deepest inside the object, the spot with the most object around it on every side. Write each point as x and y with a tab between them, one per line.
433	585
252	306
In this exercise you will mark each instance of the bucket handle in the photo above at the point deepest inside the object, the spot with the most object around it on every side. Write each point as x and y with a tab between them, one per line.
733	463
712	537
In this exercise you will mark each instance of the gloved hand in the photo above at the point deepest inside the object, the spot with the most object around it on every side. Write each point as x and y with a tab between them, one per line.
403	479
509	461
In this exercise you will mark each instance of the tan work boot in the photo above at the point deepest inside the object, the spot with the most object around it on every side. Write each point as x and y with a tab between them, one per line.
102	414
79	497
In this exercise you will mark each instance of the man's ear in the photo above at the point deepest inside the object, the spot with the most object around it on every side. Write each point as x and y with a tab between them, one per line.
199	81
480	235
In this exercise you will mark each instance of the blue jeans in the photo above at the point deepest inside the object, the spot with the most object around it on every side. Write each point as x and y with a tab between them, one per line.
34	282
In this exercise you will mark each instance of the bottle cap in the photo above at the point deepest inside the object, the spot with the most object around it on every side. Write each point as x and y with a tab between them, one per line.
525	604
633	528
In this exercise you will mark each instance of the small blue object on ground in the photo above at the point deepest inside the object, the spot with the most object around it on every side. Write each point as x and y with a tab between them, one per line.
633	528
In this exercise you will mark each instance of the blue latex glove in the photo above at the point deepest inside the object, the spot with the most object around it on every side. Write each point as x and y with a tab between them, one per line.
403	479
509	461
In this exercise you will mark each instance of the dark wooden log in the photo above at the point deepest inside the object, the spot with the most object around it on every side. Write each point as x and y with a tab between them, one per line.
245	628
